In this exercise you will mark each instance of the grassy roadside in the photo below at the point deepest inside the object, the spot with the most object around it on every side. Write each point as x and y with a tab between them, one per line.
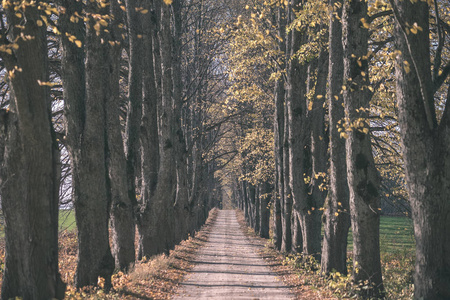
155	278
302	275
66	221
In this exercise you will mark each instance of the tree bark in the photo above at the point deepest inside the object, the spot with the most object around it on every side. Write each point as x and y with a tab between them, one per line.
122	218
86	92
134	108
161	208
286	205
297	132
426	151
337	211
182	208
149	133
29	168
311	220
279	117
363	177
266	195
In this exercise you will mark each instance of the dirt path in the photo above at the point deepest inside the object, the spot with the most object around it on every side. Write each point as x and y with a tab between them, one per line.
227	267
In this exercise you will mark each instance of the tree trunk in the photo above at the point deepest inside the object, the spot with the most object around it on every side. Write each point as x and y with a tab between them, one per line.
311	221
337	211
182	209
122	220
29	171
149	134
286	206
86	92
279	94
363	177
266	195
297	130
134	108
162	214
426	150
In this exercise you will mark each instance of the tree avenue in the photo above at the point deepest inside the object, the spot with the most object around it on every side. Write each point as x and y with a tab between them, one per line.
312	117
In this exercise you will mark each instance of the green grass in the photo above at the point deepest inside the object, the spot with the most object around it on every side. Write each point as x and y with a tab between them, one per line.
396	234
67	219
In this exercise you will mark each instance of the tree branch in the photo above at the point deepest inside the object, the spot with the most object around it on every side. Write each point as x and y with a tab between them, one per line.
378	15
427	102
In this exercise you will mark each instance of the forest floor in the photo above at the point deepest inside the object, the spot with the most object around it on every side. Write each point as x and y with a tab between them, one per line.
228	266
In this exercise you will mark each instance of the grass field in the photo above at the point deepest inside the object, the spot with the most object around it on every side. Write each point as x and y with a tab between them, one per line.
67	219
396	234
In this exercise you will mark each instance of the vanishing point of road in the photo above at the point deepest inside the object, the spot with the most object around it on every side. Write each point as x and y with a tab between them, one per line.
228	267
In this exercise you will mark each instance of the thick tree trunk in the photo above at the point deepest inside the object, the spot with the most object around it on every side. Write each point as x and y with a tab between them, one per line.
162	214
297	132
122	220
29	174
311	221
426	152
363	177
149	135
86	92
134	108
337	211
182	209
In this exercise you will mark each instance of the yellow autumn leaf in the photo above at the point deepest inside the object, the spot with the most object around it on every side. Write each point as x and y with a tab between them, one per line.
39	23
168	2
97	27
103	23
46	83
78	43
406	66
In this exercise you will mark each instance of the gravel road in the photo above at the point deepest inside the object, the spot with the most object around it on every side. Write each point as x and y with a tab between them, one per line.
228	267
